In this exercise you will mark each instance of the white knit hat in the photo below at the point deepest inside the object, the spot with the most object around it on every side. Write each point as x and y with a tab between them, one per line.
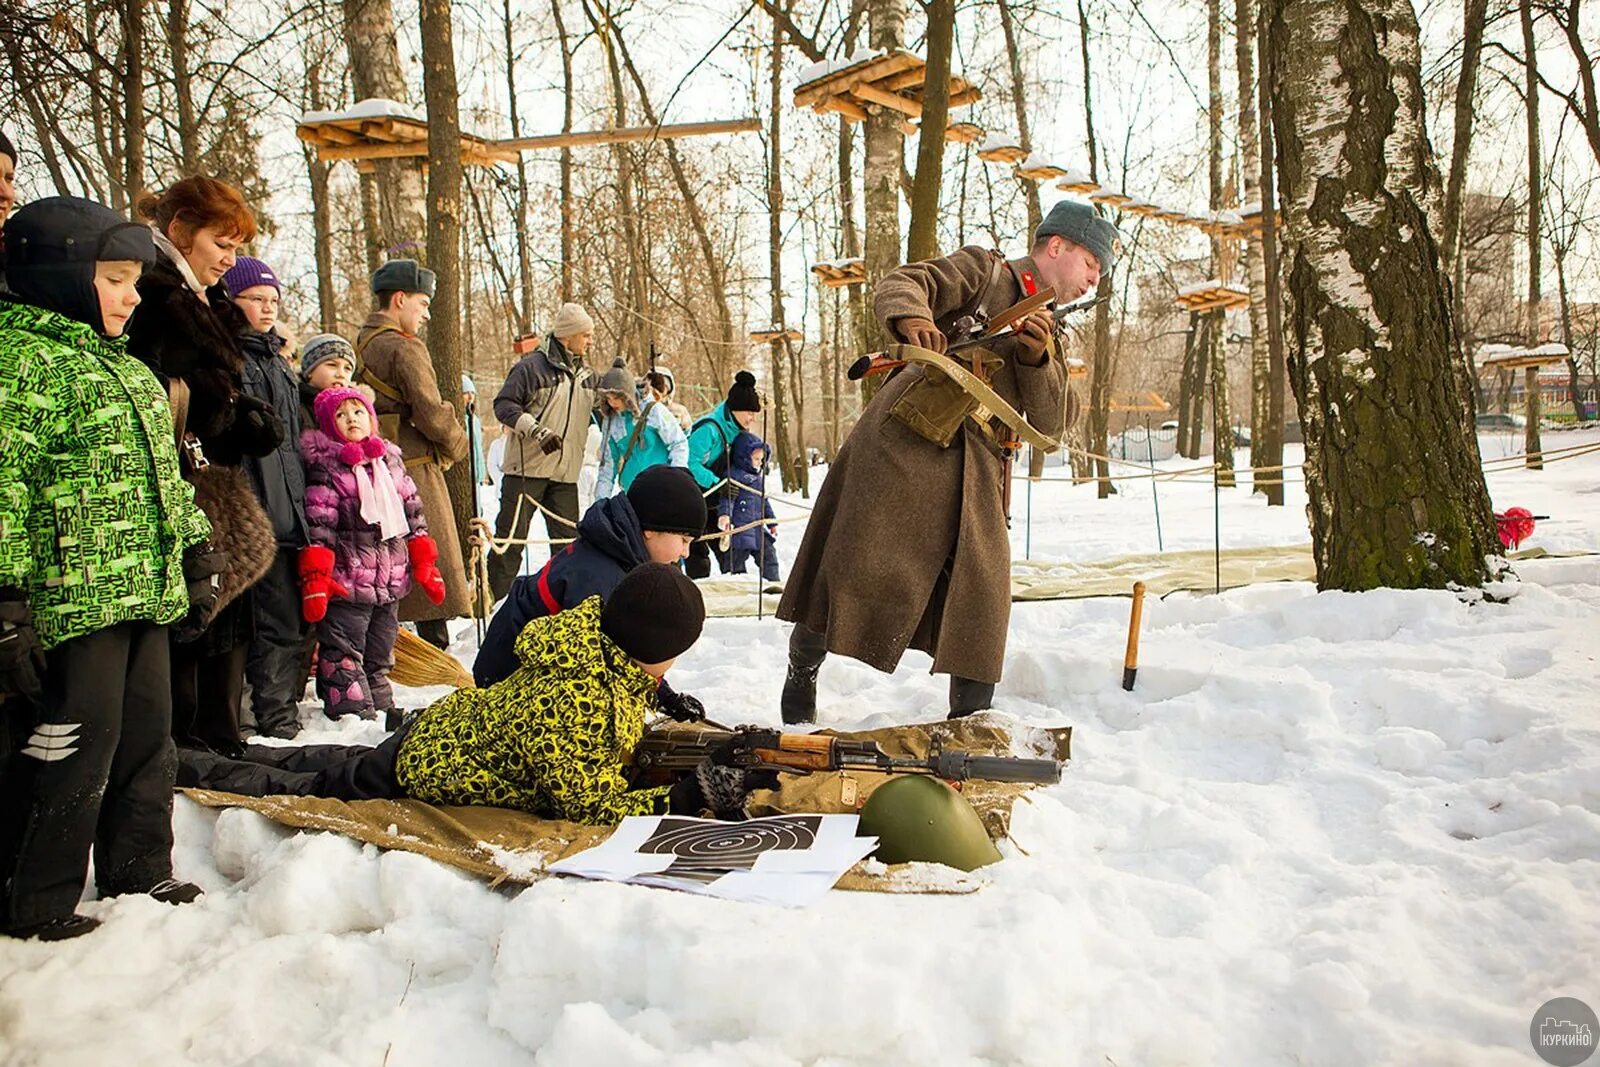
570	320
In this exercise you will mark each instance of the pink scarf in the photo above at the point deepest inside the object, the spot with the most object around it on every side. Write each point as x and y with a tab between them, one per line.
380	499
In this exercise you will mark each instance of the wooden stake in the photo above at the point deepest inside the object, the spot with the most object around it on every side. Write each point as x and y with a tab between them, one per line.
1130	660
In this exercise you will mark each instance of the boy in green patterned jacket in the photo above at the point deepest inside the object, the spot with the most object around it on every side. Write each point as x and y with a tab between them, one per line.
554	738
96	528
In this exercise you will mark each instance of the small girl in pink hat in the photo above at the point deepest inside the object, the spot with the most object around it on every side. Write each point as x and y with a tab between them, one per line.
369	542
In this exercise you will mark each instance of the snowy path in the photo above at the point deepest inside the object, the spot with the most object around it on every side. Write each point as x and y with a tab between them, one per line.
1325	829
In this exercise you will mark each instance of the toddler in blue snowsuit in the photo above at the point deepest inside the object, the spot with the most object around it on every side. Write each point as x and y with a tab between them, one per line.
744	503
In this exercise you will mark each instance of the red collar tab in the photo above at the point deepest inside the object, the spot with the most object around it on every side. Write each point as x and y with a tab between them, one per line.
1029	286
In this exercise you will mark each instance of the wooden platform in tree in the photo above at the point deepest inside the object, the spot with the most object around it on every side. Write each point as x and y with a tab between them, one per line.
1109	198
1040	169
894	80
383	129
1213	294
962	132
998	148
1075	181
762	337
838	273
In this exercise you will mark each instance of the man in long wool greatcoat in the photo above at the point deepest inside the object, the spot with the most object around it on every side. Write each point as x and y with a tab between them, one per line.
908	545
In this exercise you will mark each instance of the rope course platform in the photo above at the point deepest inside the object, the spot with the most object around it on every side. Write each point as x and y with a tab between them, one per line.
838	273
895	80
1212	294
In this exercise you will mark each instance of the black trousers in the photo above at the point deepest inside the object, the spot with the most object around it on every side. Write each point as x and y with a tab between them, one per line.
94	768
275	667
559	497
344	772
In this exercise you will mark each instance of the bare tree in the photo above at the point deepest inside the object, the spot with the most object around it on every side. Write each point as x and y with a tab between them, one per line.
1397	496
444	229
923	240
1221	410
1530	378
1100	368
1266	436
886	30
1019	106
375	72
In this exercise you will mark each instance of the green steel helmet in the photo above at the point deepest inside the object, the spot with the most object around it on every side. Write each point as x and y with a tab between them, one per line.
919	818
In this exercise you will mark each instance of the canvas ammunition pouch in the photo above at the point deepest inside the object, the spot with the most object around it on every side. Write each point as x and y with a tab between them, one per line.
935	406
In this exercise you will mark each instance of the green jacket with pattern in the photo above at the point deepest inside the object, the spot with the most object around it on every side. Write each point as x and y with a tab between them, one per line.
553	738
94	516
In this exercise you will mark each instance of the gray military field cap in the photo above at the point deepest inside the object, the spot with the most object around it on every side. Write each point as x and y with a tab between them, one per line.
1077	222
402	276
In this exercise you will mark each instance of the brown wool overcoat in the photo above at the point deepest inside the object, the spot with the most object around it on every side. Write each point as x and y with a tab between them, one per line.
430	431
907	545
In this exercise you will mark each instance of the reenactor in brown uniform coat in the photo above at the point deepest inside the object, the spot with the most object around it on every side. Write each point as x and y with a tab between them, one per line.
907	545
411	412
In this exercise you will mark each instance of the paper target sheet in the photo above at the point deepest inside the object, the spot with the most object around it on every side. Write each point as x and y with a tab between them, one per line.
792	860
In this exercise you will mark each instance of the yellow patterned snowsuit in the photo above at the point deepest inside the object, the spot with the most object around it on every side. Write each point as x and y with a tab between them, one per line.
551	739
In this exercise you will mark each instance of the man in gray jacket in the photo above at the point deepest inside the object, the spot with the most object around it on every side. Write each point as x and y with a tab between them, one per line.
546	403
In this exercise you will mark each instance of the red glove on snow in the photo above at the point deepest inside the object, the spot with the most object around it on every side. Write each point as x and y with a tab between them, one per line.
317	583
425	567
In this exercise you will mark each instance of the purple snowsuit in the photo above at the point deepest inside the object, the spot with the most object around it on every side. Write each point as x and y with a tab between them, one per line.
356	637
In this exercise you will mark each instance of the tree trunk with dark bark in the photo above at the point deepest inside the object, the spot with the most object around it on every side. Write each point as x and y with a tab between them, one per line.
1266	437
566	153
1397	496
923	240
444	230
524	265
1099	421
1221	409
1531	445
183	85
1019	106
133	116
321	212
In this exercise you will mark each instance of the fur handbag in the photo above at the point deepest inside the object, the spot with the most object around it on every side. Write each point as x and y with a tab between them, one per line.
240	528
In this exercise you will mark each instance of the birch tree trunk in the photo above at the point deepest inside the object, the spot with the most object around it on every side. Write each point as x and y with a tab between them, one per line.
1531	445
375	72
886	26
444	230
1100	367
923	241
1397	496
1266	438
1221	409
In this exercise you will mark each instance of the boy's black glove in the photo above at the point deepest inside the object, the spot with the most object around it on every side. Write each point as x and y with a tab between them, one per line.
21	654
679	706
720	789
257	429
202	572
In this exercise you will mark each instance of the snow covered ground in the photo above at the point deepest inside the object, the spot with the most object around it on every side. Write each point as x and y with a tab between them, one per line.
1324	829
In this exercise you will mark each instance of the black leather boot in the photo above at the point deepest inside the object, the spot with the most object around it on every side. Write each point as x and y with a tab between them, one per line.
967	696
807	648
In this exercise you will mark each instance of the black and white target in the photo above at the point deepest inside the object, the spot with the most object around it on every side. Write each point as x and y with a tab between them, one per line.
705	851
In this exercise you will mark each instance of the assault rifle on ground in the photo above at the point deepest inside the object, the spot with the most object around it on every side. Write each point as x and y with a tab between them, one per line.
674	751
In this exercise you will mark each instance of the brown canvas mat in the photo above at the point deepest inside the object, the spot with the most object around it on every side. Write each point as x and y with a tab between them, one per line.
512	846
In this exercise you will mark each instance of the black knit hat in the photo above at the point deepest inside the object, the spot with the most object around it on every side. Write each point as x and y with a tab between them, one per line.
654	614
668	499
52	246
742	395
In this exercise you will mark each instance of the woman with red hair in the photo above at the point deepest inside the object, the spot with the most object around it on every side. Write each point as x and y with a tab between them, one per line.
187	331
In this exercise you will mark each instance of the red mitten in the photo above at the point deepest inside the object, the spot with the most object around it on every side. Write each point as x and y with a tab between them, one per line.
425	567
317	583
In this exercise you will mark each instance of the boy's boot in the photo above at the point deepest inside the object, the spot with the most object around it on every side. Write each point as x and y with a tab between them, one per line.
967	696
807	648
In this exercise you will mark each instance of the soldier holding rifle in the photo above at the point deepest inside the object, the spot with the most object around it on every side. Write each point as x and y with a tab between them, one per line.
908	545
